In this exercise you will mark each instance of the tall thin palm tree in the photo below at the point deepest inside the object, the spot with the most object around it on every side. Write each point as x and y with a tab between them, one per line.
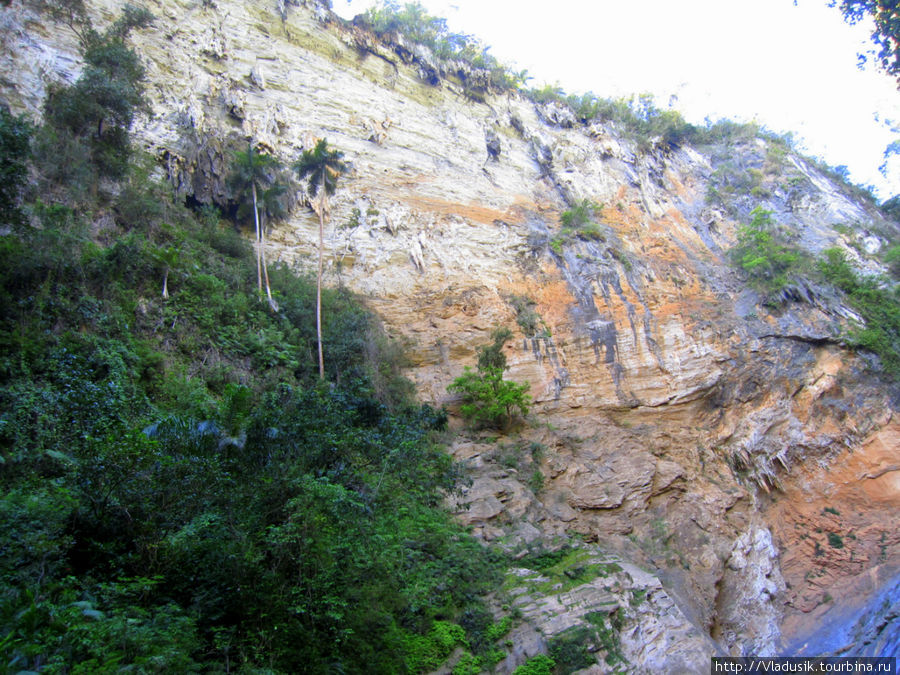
271	207
322	166
253	171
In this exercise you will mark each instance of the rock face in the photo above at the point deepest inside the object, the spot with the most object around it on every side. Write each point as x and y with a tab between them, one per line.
749	610
676	419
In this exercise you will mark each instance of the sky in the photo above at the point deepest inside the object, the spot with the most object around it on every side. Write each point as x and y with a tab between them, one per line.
790	66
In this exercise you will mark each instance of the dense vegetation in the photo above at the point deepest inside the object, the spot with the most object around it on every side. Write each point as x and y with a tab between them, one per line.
877	300
773	263
180	490
413	22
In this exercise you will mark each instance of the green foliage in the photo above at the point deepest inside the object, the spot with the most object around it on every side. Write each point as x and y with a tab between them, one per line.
468	664
251	171
178	492
636	116
579	221
886	33
412	21
98	110
569	649
544	560
892	260
564	569
556	245
491	357
536	481
497	630
15	136
891	208
322	166
878	303
607	628
763	252
255	182
582	213
536	665
71	12
424	653
527	317
835	540
488	399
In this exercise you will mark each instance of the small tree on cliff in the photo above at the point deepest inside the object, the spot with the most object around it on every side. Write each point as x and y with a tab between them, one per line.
488	399
323	166
96	112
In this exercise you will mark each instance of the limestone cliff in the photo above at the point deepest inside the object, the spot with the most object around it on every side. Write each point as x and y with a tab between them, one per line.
685	428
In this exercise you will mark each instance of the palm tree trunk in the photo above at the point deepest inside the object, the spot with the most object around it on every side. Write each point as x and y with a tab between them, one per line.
265	268
165	291
319	280
258	254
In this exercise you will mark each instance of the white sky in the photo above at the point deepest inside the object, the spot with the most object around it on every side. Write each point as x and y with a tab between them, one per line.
792	68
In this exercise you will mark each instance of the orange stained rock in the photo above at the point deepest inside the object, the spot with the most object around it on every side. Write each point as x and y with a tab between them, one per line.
835	522
473	212
554	299
677	186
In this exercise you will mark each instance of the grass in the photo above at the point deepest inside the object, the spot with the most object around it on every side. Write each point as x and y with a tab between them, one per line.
561	571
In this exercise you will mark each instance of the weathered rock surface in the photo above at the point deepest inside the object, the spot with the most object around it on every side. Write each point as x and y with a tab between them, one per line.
749	612
680	420
622	616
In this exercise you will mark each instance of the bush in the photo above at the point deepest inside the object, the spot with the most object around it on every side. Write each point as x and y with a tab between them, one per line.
488	399
878	303
99	108
412	21
764	254
536	665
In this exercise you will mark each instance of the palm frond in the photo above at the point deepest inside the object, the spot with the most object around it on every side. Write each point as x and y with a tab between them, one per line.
321	166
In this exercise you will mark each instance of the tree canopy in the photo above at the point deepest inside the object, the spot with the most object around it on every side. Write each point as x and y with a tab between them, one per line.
886	34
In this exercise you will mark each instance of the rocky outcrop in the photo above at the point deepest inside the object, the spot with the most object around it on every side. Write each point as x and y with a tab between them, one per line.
749	606
620	615
676	419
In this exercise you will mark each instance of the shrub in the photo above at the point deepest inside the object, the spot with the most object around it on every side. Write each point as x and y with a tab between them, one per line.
99	108
412	21
488	399
892	260
536	481
580	214
569	649
536	665
878	303
764	254
527	317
